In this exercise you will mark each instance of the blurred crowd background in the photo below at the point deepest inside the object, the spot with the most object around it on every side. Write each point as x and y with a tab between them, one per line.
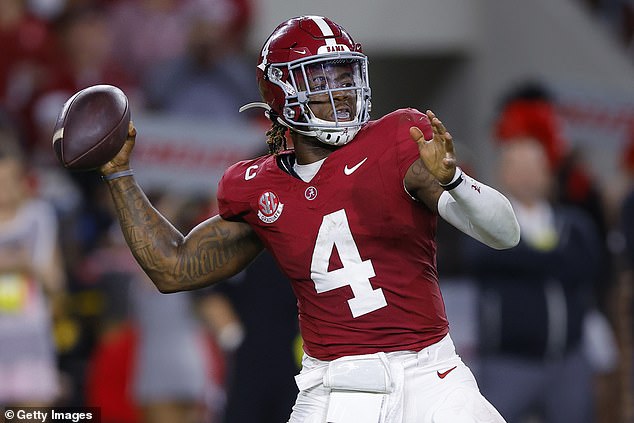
539	95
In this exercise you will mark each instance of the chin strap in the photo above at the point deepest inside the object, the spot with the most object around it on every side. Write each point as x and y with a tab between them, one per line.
323	136
268	112
292	128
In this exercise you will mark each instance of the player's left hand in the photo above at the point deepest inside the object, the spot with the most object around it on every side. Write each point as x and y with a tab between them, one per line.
437	153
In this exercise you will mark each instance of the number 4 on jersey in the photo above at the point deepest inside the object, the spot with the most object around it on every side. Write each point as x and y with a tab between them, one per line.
335	232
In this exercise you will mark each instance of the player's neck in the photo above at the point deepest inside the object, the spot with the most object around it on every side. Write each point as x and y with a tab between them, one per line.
310	149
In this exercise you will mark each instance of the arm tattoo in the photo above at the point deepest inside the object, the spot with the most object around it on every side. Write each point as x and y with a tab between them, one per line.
420	171
212	251
422	185
147	233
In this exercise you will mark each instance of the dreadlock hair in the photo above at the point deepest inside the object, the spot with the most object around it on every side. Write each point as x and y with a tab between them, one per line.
276	137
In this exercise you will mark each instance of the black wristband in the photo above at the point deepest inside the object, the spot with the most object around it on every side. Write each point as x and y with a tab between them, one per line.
452	185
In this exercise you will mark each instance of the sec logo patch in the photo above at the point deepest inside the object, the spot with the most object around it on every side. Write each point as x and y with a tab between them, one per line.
269	207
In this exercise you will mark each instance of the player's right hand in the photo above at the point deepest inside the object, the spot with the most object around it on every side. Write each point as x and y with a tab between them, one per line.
122	160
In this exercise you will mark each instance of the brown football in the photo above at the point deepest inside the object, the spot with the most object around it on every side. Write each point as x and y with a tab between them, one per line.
91	127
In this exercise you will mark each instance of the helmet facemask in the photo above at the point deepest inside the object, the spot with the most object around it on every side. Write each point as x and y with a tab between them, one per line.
327	97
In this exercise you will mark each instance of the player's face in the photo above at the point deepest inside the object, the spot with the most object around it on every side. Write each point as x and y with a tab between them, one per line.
524	170
338	78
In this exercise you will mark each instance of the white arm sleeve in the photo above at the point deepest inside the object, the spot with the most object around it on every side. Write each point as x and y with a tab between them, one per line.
480	212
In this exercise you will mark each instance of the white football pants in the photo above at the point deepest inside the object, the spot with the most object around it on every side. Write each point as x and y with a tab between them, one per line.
429	386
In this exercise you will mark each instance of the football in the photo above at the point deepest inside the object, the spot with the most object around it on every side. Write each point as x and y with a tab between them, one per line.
91	127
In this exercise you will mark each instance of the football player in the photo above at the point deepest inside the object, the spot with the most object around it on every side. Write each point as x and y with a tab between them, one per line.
350	216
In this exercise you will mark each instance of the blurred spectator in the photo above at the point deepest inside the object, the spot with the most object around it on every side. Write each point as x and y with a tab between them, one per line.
148	32
85	58
211	79
263	366
168	368
178	377
236	12
531	111
109	376
88	55
536	297
28	50
172	380
31	284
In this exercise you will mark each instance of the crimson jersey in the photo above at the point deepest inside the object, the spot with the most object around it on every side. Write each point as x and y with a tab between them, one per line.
359	251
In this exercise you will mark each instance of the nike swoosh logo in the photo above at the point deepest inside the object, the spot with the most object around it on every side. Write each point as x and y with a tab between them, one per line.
302	52
445	373
350	170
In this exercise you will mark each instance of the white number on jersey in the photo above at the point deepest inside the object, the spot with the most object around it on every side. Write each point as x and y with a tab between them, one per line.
335	232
